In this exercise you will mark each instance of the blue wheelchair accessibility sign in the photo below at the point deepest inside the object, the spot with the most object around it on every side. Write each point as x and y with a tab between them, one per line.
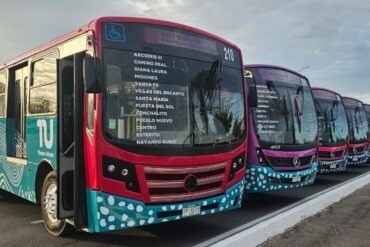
115	32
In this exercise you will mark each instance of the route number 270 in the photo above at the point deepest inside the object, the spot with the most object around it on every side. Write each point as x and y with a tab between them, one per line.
229	54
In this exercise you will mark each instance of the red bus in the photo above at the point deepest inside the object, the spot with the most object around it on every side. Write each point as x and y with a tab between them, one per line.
358	131
124	122
333	131
367	109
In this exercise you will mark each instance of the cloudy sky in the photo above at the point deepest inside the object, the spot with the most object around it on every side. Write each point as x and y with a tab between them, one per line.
331	37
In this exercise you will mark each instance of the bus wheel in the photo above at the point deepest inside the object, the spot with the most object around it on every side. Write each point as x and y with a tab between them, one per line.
49	206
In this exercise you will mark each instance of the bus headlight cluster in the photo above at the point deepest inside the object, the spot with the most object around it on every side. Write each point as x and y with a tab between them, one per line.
261	158
236	164
122	171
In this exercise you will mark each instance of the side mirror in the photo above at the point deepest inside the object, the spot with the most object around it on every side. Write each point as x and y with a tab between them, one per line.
92	75
252	96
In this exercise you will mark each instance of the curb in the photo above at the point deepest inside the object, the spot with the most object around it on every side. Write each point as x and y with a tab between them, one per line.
259	230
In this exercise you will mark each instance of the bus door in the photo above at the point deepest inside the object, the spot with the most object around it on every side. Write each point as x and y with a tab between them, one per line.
71	175
16	146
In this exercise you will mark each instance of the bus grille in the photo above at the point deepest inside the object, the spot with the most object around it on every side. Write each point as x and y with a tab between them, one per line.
331	155
174	184
356	150
288	162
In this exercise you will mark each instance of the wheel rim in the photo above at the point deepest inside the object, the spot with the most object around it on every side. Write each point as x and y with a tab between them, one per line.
50	203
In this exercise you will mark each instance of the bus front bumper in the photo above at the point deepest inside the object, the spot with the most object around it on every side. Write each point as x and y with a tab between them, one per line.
332	165
108	212
358	159
262	179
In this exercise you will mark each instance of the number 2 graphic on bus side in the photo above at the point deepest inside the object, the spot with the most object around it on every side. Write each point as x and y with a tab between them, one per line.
229	54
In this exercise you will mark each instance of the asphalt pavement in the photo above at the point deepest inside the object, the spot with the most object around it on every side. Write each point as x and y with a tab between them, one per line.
20	220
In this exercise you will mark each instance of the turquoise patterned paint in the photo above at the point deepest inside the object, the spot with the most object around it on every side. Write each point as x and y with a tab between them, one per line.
261	179
358	159
332	166
109	212
19	179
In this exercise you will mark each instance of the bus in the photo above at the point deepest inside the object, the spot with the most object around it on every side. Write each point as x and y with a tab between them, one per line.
358	131
333	131
367	109
124	122
282	129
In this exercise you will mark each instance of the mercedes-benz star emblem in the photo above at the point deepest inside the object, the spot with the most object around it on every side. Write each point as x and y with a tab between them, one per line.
191	183
332	155
296	162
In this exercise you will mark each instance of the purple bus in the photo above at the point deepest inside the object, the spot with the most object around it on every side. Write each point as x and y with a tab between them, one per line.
282	129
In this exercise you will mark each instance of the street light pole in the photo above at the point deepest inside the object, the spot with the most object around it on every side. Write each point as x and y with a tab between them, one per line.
306	67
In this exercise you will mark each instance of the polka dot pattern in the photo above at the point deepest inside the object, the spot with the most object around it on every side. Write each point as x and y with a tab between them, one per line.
257	178
112	212
332	166
357	159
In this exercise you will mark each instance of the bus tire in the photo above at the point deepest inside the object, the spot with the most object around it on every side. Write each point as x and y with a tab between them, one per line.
48	199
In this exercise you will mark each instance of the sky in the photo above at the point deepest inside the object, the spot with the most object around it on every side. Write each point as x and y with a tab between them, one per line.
327	40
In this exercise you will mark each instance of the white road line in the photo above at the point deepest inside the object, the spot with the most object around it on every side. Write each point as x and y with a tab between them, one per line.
258	231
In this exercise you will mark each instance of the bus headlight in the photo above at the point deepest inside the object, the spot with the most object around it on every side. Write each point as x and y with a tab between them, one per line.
261	158
122	171
111	168
236	164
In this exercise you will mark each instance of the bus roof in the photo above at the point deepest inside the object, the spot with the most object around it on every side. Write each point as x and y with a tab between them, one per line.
325	89
367	107
349	99
92	25
272	67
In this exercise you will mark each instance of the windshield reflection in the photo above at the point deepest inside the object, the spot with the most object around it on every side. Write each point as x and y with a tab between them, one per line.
285	113
333	124
185	102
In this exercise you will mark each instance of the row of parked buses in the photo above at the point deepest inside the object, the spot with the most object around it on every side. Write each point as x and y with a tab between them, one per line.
128	121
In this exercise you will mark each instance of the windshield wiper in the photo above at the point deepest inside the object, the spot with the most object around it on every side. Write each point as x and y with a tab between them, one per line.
207	88
328	125
298	114
299	109
358	121
284	110
333	117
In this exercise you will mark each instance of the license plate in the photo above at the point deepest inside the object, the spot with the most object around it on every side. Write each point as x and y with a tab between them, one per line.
333	166
189	211
296	179
355	158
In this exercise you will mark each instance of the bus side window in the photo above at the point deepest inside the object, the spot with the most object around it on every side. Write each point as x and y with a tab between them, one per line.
2	93
43	98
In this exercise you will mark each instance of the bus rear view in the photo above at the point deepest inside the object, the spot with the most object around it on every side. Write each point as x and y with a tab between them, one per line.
333	131
358	131
282	129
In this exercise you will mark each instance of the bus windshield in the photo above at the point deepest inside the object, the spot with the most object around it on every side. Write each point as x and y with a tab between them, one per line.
358	126
367	109
180	101
332	118
285	113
